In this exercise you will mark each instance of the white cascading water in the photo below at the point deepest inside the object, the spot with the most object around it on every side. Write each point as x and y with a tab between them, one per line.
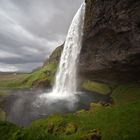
65	82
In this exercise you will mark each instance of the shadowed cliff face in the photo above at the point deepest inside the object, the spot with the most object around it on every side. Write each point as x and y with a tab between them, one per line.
111	46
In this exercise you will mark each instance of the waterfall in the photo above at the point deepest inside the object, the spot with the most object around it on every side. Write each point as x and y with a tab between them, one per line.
65	82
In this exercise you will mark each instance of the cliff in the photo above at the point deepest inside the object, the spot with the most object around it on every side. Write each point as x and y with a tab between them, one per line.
111	45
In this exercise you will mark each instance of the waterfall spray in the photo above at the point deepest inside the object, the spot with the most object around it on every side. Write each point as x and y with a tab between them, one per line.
65	82
66	76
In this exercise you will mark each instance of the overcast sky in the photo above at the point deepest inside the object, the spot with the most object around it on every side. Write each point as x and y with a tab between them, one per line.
31	29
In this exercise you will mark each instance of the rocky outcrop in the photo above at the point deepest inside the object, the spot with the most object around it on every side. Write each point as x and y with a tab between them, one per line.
55	56
111	45
44	77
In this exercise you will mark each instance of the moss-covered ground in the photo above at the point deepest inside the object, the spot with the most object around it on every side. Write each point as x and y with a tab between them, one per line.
97	87
126	93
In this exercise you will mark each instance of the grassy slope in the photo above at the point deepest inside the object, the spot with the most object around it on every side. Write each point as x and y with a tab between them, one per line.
46	73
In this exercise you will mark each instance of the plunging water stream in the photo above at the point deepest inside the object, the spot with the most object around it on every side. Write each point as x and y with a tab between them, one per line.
65	82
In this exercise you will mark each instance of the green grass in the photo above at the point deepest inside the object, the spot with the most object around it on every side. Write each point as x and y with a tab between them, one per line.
126	93
8	130
11	80
120	122
45	73
96	87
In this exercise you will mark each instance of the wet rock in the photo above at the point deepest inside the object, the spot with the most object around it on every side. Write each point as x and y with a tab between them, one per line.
111	45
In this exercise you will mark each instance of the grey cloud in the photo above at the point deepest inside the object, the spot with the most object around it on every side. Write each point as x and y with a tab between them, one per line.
31	29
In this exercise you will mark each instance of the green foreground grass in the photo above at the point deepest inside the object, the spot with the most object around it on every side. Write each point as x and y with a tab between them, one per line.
120	122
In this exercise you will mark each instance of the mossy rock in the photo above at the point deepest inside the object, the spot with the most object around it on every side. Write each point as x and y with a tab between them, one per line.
56	125
92	86
95	106
71	128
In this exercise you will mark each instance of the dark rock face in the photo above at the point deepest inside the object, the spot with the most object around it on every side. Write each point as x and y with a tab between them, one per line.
111	46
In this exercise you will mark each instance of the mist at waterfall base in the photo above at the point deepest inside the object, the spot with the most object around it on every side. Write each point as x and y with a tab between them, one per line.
24	106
